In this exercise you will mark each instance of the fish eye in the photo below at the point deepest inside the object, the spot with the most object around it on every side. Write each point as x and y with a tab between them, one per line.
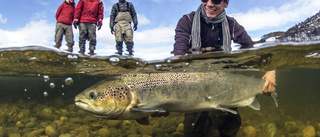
93	95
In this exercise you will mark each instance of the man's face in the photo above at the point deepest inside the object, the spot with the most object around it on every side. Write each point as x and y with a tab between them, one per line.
213	10
71	1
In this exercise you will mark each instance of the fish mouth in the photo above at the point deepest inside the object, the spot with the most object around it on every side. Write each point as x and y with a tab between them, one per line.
82	104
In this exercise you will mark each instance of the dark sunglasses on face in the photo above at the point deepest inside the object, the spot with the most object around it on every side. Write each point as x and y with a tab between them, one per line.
213	1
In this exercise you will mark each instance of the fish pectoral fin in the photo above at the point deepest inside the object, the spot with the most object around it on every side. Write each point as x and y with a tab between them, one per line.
144	121
148	110
255	104
227	110
274	96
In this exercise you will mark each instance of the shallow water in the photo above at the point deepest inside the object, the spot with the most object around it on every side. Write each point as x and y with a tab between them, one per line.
36	100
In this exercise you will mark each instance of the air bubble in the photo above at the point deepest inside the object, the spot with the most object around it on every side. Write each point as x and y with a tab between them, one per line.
45	94
46	78
69	81
52	85
158	67
114	60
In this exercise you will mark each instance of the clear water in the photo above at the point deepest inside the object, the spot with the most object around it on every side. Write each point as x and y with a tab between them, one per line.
36	100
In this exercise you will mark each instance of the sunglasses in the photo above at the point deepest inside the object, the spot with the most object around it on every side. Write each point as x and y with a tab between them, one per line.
213	1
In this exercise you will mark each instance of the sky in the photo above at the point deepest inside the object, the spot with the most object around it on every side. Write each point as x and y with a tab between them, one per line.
32	22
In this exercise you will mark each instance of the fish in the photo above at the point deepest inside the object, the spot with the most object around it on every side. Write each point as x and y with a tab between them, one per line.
135	96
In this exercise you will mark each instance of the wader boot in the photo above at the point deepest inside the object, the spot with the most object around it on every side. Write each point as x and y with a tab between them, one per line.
91	52
119	48
129	48
70	47
82	48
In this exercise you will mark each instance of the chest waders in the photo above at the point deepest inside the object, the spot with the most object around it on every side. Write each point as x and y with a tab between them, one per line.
123	32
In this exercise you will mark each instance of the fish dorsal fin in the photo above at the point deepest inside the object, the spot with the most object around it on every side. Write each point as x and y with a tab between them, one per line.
255	104
148	110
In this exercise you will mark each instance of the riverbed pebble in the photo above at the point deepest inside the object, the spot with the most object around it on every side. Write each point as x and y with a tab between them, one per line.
309	131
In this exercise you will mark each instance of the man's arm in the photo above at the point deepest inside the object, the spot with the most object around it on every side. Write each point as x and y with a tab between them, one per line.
78	10
182	36
59	11
113	15
100	12
133	14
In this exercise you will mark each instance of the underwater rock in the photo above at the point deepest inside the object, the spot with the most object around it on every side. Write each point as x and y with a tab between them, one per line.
30	125
14	135
89	119
19	124
35	133
290	127
114	132
168	126
51	131
33	119
57	122
318	133
62	119
146	130
133	130
44	124
270	129
126	124
3	117
46	114
75	120
65	135
1	131
84	133
180	128
309	131
113	123
104	132
249	131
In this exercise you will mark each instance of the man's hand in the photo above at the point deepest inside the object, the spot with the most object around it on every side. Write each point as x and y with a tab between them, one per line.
135	27
269	86
75	24
99	25
112	30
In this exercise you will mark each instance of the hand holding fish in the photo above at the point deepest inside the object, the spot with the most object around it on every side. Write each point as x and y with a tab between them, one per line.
269	86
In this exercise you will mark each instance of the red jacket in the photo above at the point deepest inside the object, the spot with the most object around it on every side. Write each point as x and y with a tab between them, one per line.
65	13
89	11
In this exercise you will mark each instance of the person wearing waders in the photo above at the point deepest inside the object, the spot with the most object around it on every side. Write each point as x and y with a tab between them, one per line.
88	16
207	30
122	14
64	17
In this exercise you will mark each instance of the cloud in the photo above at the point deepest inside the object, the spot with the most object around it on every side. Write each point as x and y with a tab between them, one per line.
3	20
264	18
34	33
142	20
156	35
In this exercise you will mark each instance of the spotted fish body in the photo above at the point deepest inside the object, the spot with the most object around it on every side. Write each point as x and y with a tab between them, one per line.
134	96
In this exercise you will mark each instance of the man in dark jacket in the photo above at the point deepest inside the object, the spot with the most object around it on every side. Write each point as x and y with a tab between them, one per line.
64	17
88	15
209	29
122	14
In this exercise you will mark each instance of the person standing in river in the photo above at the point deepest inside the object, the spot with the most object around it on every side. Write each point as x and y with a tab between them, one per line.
122	14
64	17
207	30
88	16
